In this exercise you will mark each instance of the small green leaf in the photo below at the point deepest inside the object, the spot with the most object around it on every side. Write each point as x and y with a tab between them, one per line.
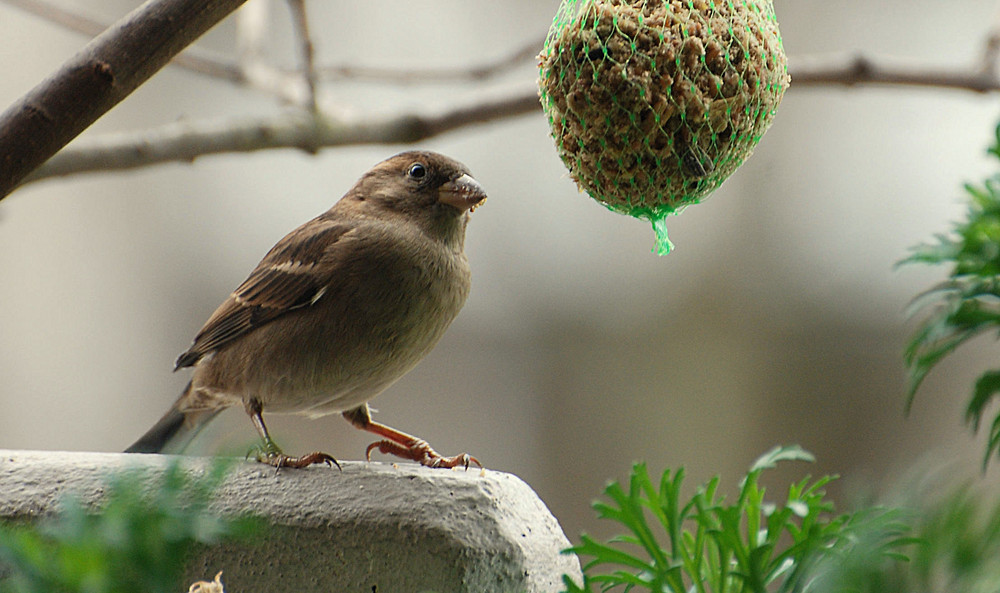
987	386
781	453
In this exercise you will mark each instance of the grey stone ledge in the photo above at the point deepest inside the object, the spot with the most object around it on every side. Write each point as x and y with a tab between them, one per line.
372	527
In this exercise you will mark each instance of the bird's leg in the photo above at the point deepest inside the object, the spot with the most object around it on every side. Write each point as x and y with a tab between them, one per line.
271	454
403	445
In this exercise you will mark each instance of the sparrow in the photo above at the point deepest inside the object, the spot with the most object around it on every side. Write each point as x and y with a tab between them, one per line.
336	312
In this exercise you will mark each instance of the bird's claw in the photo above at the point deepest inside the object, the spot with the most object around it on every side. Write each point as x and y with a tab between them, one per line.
418	450
270	454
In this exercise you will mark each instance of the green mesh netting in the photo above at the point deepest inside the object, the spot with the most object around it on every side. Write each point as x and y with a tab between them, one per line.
654	103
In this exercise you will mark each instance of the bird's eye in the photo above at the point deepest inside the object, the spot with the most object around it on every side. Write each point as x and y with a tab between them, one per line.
417	171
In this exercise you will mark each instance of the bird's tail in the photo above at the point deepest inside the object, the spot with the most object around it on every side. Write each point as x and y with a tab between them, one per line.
174	431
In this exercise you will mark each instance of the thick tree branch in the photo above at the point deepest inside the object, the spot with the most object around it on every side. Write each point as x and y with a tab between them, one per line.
103	73
186	141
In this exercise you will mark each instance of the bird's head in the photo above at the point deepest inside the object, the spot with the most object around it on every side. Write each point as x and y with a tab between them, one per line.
425	186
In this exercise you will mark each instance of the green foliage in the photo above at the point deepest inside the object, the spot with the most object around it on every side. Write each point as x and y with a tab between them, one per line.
956	547
961	545
967	303
137	541
705	544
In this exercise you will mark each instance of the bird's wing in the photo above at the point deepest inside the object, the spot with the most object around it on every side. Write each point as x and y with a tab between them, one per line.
288	278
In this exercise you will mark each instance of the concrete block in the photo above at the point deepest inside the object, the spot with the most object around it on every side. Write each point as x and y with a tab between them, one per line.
373	527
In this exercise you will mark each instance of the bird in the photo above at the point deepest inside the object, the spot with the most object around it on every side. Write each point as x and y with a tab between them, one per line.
336	312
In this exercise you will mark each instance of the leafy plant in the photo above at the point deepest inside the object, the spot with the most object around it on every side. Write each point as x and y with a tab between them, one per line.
957	547
137	541
961	544
705	544
967	303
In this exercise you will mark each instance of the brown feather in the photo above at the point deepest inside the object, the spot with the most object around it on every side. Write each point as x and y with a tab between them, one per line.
279	284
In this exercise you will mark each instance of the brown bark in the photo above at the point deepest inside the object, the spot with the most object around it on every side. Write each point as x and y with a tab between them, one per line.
93	81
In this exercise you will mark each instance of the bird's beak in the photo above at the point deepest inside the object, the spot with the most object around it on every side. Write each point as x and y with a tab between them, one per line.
463	193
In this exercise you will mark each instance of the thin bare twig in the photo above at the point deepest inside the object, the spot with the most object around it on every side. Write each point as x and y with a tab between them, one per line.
520	56
66	19
196	60
273	82
306	50
186	141
861	70
990	59
253	25
253	33
858	69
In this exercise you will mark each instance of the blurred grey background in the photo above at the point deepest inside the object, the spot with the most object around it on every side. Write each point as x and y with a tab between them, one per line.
778	319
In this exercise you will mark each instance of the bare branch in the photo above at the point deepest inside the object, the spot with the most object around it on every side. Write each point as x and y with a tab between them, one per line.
839	70
192	59
861	70
64	18
253	26
103	73
851	70
186	141
253	30
92	82
306	50
275	80
991	48
485	71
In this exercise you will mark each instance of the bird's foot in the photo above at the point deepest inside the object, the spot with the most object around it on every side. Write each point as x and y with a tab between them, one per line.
418	450
270	454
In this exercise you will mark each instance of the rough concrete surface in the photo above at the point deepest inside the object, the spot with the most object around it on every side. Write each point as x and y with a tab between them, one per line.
372	527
